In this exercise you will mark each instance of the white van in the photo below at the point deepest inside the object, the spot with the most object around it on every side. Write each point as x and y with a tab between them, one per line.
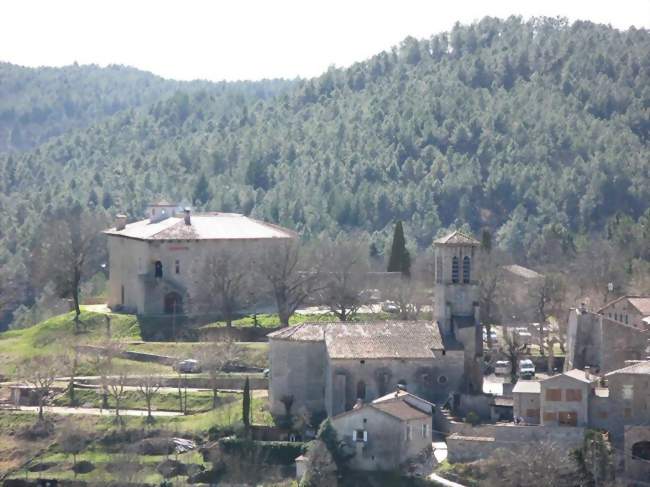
526	368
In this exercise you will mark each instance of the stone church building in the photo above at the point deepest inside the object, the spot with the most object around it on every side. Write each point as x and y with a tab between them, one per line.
328	367
153	262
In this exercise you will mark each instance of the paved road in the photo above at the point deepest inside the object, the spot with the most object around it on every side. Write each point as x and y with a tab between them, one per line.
90	411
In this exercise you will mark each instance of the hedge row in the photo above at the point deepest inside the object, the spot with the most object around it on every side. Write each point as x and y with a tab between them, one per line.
270	452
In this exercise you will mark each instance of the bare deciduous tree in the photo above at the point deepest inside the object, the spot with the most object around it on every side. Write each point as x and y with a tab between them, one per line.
345	289
102	362
293	274
148	386
215	358
490	269
40	373
70	248
513	350
116	388
225	283
72	440
549	297
70	364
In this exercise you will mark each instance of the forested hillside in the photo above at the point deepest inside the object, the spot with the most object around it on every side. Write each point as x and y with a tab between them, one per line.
526	128
37	104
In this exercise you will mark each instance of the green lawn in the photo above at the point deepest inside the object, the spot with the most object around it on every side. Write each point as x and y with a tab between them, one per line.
254	354
168	401
272	320
56	334
107	461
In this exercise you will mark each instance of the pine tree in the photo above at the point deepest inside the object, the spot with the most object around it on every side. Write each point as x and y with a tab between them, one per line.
400	259
246	404
201	191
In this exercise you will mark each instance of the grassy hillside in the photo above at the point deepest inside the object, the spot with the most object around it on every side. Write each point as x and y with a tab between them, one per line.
53	336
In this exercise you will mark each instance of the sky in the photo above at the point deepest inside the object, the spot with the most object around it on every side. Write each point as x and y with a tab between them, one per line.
246	39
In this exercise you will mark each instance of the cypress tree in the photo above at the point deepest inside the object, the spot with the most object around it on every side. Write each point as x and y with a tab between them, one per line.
246	404
400	259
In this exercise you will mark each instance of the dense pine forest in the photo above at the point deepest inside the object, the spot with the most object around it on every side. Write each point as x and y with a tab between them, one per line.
538	131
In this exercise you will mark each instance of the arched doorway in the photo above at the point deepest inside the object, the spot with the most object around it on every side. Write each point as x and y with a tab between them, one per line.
173	303
641	450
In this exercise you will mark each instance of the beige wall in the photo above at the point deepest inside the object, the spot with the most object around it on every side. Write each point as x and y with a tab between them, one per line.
132	264
387	446
297	369
624	312
449	298
550	407
422	377
526	403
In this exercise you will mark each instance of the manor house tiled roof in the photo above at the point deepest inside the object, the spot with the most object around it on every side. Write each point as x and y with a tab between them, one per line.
209	226
378	339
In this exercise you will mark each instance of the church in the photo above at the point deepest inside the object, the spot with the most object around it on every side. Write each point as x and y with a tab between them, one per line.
329	367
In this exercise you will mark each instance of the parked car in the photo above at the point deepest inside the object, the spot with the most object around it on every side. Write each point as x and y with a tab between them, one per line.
526	368
389	307
502	367
188	366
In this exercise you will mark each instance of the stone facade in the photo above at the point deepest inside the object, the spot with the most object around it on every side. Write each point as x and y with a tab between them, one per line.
629	398
526	401
456	300
637	453
564	399
155	264
630	310
313	365
385	433
595	341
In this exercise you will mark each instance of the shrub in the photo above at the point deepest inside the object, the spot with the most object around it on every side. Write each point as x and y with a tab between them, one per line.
272	452
472	418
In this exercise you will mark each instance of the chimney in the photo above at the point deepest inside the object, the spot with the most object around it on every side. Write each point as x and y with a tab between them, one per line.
120	222
587	372
188	220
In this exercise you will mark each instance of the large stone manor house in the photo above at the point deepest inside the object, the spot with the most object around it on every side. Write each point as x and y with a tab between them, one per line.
329	367
153	262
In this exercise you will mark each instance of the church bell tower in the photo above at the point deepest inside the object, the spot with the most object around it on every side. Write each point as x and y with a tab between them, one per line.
456	301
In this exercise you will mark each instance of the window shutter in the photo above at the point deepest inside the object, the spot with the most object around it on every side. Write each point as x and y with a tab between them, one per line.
365	436
354	435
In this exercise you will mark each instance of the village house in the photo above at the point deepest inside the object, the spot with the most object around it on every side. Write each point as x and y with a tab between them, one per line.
154	264
386	433
631	310
564	398
602	344
327	367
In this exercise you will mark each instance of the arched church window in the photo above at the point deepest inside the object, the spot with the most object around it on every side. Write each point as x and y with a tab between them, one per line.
466	269
361	390
454	270
158	269
439	269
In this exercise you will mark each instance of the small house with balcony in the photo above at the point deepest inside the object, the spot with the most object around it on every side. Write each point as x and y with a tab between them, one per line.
153	262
